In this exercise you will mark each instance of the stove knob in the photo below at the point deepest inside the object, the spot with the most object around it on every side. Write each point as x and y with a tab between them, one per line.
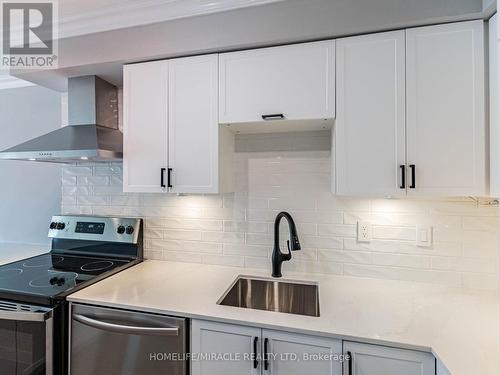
121	229
53	280
53	225
130	229
61	281
61	226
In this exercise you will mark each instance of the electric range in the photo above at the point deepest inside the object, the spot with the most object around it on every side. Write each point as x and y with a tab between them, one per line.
33	291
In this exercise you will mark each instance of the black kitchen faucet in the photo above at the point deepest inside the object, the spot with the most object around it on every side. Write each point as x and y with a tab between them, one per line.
293	243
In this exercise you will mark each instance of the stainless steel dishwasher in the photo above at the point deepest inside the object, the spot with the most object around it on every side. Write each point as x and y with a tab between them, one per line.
107	341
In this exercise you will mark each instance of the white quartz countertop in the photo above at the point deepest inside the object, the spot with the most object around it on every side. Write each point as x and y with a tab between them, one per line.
460	329
14	251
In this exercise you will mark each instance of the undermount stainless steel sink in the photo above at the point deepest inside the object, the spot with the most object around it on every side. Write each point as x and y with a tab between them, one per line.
291	297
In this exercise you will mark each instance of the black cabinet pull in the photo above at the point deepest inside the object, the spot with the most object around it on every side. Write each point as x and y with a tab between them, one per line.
266	360
162	175
349	365
403	177
169	178
275	116
413	178
255	360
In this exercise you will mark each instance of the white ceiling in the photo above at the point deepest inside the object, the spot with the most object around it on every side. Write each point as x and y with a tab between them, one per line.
80	17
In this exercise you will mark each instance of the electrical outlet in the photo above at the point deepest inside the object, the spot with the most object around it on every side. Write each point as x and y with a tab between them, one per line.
424	235
364	231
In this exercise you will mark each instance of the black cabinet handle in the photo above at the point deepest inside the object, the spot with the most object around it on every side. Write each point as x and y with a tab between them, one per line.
162	175
255	360
266	360
275	116
413	178
403	177
169	178
349	365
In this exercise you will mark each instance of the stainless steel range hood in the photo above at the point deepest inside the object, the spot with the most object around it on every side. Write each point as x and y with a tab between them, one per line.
92	133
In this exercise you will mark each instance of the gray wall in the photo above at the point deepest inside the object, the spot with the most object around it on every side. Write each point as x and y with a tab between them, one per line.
30	192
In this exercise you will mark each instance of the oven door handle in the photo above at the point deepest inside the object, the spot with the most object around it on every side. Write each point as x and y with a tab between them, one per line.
26	316
128	330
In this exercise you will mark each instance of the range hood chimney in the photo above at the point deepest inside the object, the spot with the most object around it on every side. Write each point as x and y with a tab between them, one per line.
92	134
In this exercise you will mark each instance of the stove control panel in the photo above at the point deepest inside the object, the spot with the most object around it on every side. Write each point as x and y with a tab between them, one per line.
125	230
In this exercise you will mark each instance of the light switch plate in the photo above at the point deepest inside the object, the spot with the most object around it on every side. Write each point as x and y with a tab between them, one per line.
424	235
364	231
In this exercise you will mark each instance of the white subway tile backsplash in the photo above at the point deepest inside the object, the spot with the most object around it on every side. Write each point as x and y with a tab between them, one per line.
247	250
401	260
245	226
337	230
93	180
178	256
92	200
77	171
236	229
226	260
223	237
68	180
188	246
394	233
188	235
75	190
345	256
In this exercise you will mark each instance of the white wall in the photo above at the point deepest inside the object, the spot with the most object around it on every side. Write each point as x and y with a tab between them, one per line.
236	229
29	191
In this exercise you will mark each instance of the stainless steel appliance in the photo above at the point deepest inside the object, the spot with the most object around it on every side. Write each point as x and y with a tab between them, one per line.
33	308
92	133
108	341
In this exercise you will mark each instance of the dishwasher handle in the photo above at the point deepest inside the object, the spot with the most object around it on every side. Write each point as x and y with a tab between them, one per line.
128	330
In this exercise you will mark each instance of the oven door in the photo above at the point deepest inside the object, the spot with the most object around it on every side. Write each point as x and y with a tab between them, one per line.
26	337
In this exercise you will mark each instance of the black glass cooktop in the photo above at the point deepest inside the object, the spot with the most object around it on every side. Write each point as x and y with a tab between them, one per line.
46	278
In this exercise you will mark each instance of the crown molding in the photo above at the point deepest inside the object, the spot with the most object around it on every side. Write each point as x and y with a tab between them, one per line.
9	82
142	12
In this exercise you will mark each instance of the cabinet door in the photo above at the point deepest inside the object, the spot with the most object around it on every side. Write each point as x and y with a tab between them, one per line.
446	109
193	127
220	338
380	360
494	124
145	90
370	121
295	354
297	81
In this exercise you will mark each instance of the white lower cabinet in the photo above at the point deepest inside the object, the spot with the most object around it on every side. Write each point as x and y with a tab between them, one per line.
296	354
287	353
366	359
210	338
241	350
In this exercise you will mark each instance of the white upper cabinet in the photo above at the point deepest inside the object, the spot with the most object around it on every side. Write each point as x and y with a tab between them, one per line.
494	124
370	123
295	81
193	129
145	90
171	132
411	113
446	127
380	360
